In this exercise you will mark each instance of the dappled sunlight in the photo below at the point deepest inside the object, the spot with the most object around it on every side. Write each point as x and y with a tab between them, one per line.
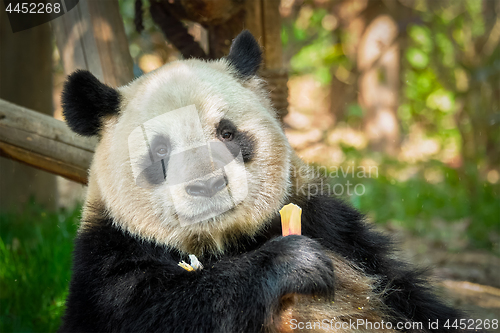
307	96
368	162
150	62
379	36
384	123
322	154
309	120
417	147
403	173
347	136
433	175
297	120
106	32
302	139
450	152
493	176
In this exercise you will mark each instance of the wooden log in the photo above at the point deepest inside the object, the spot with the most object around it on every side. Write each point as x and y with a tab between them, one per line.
44	142
465	292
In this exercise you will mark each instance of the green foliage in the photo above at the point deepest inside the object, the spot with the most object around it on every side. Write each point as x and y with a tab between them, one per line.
417	58
315	58
417	204
439	64
35	260
422	37
426	100
139	44
321	49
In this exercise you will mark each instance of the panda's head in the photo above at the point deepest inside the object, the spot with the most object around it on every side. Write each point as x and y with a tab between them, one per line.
190	155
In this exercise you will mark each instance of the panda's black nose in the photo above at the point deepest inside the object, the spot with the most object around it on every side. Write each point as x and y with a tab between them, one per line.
207	188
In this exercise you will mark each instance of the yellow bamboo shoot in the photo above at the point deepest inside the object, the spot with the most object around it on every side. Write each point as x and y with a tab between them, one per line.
290	219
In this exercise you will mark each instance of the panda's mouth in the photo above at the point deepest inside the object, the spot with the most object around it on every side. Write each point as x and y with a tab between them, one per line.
202	218
209	209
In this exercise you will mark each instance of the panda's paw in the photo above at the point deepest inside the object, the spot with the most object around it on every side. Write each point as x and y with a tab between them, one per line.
300	265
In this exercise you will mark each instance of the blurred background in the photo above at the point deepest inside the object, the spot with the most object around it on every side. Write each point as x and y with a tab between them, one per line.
396	101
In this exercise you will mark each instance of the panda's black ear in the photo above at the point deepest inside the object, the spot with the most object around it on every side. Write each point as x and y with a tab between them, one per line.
245	54
85	100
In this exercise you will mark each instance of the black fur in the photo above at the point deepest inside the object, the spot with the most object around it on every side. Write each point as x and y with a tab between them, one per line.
86	100
245	54
241	142
123	284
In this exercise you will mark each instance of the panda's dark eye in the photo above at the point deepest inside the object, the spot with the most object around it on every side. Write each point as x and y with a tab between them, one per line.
226	131
160	147
227	135
162	151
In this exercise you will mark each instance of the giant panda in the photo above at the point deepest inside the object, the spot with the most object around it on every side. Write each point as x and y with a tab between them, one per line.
193	164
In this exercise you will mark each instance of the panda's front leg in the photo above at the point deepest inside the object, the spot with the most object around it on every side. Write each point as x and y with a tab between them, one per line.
236	294
240	294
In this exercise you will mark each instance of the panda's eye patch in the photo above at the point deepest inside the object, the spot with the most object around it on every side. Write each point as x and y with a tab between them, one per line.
160	147
226	131
236	141
162	151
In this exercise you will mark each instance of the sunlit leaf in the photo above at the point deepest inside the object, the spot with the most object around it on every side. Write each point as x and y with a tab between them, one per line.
298	33
317	17
458	36
312	55
446	47
323	75
424	83
422	36
441	100
333	53
417	58
474	7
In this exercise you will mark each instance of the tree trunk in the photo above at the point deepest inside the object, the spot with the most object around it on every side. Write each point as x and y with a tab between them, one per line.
378	64
26	80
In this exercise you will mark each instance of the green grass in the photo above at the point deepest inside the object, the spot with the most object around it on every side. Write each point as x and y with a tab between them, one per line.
417	204
436	210
35	261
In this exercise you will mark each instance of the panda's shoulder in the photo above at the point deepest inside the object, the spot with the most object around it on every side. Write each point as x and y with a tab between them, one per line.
101	241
